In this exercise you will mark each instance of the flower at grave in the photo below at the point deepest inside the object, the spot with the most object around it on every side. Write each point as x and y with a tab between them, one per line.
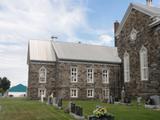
100	111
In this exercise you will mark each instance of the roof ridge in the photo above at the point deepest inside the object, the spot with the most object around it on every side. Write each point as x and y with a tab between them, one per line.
87	44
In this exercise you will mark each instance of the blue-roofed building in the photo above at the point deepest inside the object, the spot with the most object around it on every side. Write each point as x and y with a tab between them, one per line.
18	91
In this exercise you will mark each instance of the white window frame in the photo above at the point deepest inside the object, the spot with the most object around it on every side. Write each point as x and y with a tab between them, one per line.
106	92
74	74
89	80
39	92
74	95
45	74
90	95
126	67
105	76
144	64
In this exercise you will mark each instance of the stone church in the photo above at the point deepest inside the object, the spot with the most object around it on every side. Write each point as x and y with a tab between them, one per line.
137	38
82	71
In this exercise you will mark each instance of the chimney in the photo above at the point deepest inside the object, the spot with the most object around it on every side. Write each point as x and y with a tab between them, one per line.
116	25
149	3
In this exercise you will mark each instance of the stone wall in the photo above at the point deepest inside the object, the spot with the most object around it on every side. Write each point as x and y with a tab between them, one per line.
33	79
150	38
64	84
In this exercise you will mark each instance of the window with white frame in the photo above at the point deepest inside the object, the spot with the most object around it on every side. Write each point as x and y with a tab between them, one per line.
126	67
90	93
90	75
74	74
144	63
74	92
42	75
41	91
105	76
105	93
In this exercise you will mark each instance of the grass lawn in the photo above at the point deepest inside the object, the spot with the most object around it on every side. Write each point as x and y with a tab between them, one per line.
23	109
121	112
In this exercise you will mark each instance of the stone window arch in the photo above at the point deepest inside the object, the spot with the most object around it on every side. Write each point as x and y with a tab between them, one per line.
126	67
42	74
144	63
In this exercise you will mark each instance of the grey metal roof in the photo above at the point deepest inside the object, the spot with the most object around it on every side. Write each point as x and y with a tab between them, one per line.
148	10
85	52
41	51
49	51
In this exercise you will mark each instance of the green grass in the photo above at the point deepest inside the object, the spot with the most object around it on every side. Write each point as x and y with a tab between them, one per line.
23	109
121	112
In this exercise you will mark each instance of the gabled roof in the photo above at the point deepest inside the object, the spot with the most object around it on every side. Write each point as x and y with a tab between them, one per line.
41	50
18	88
148	10
85	52
50	51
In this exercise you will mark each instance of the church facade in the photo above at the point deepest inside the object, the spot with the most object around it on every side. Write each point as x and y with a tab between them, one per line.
81	71
138	40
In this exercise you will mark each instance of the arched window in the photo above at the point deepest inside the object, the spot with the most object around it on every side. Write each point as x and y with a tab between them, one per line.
126	67
144	63
42	75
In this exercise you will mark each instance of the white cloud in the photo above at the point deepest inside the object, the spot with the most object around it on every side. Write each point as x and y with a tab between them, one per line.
22	20
106	38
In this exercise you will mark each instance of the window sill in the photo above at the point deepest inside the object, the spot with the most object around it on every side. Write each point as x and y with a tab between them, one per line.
42	82
73	97
90	97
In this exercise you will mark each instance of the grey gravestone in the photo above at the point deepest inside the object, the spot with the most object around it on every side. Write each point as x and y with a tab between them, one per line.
54	100
78	111
69	106
111	100
59	103
156	99
73	107
139	100
153	102
50	100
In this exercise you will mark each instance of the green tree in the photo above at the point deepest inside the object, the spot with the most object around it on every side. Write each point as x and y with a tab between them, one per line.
4	85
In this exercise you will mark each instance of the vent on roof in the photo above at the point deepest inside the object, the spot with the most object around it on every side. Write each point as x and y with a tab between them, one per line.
54	38
149	3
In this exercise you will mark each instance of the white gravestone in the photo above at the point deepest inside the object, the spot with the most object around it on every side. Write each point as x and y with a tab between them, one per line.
42	98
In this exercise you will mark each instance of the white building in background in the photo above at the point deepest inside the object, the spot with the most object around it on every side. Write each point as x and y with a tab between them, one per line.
18	91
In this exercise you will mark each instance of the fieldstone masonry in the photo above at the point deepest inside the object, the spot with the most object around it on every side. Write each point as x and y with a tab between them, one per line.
59	83
33	79
148	37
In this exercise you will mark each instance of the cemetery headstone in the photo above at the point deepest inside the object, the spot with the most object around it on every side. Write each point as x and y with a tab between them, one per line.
42	98
59	103
111	100
54	101
156	99
73	107
153	102
69	106
127	100
139	100
50	100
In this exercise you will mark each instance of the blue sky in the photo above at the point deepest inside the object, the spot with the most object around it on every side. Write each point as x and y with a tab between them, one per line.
88	21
